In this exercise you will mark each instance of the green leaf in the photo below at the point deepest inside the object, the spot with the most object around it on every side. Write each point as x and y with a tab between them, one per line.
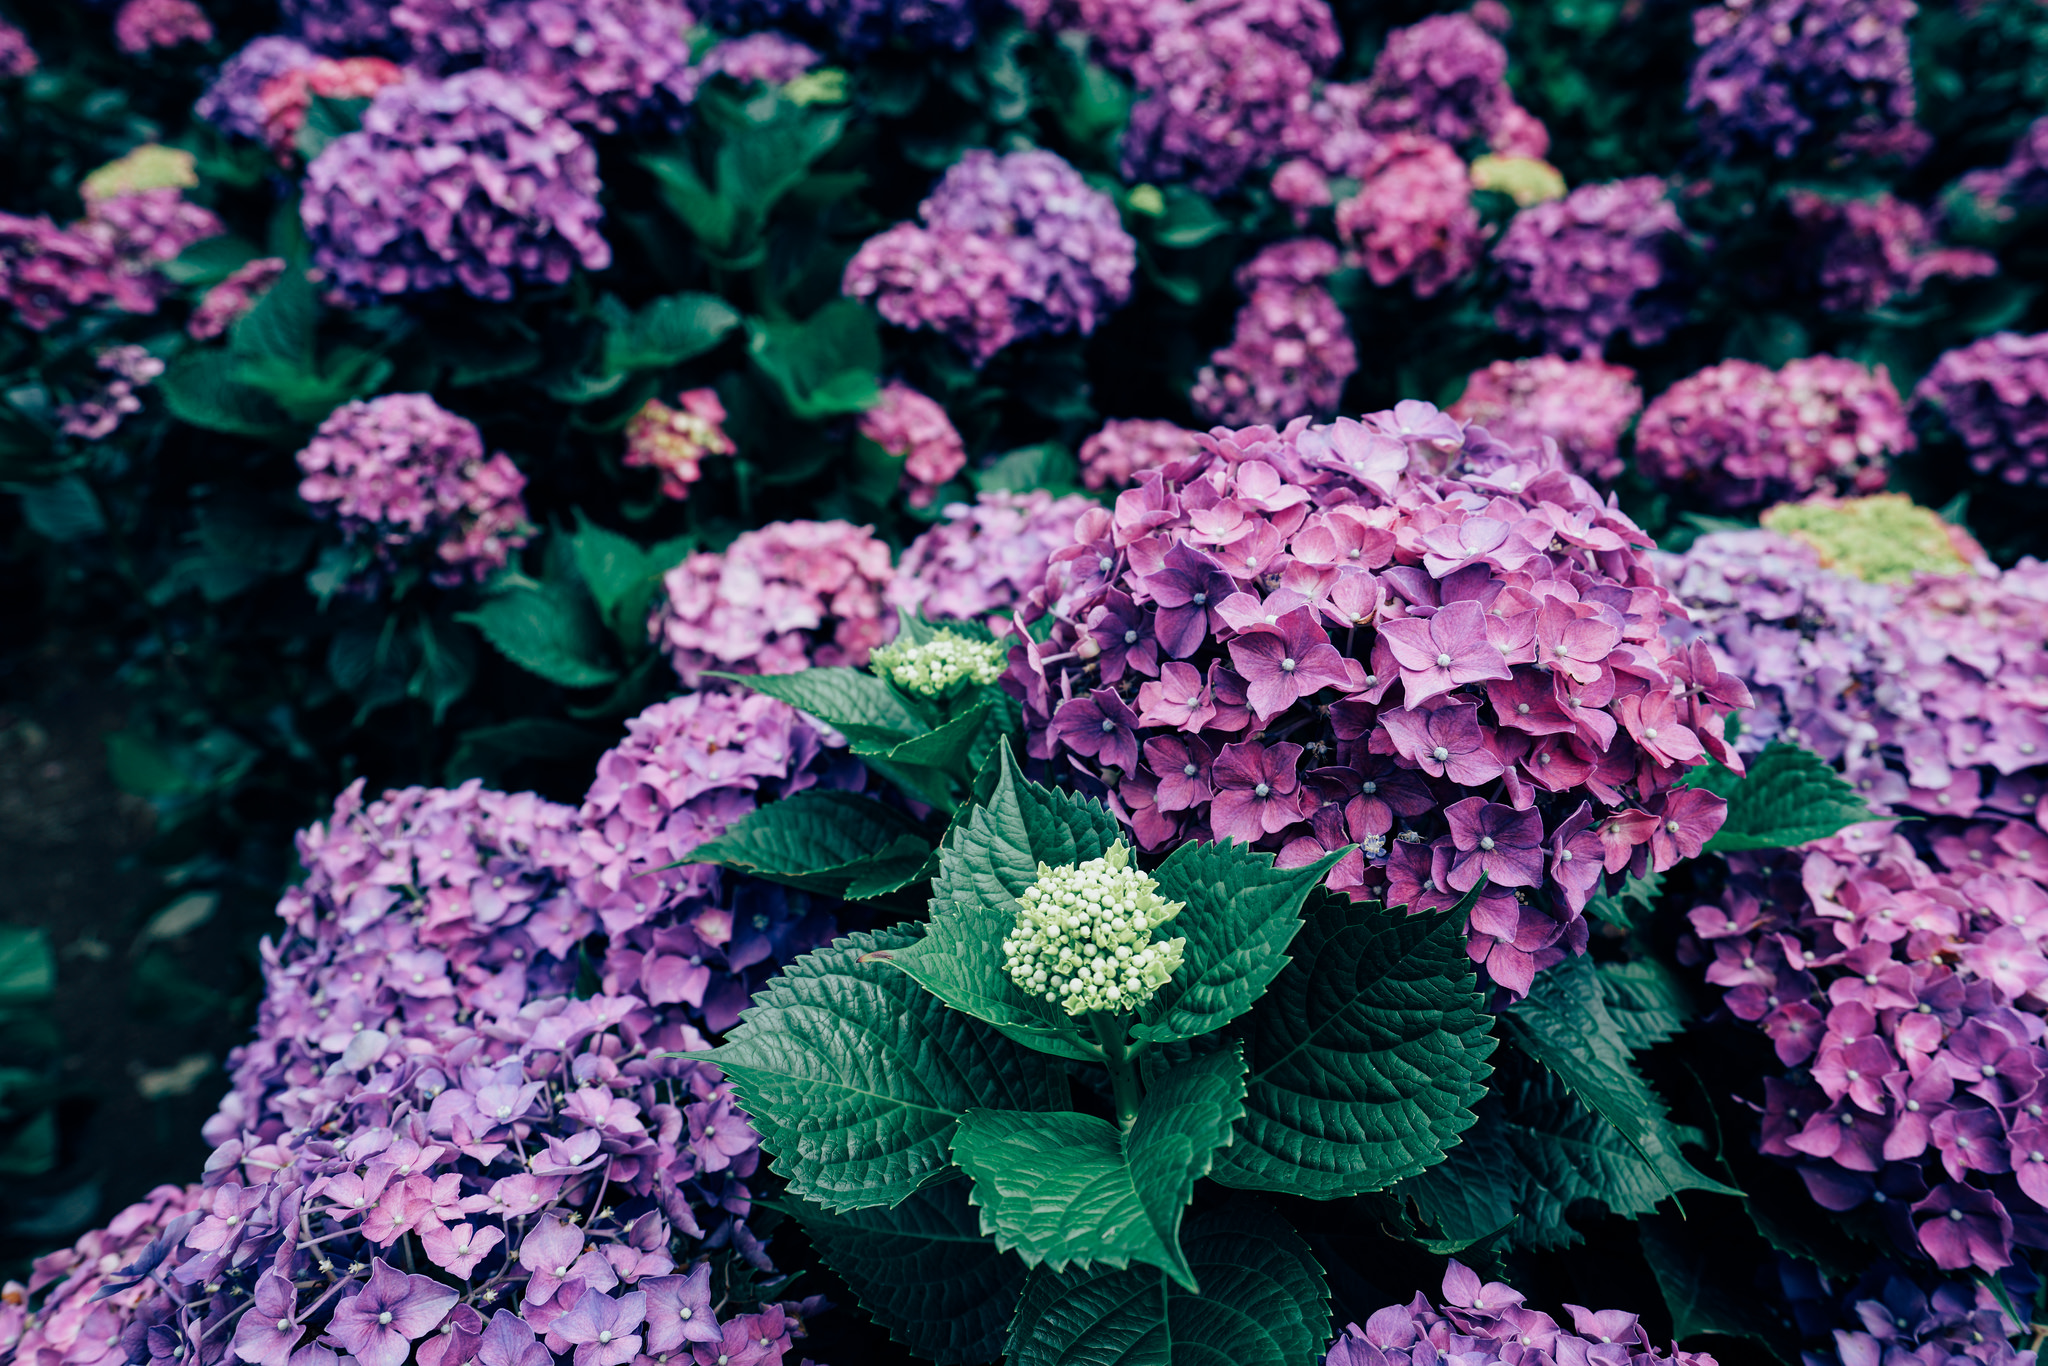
1647	1001
623	577
668	331
701	210
855	1078
852	701
282	324
1535	1153
549	630
139	765
33	1149
487	752
1789	796
65	509
986	862
28	970
1242	913
924	1272
200	388
1366	1055
210	260
1707	1291
834	843
1049	466
1563	1023
328	118
1263	1303
1189	220
824	366
1637	898
1063	1189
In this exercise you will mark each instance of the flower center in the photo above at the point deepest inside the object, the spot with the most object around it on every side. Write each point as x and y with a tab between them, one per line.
1130	637
1672	826
1443	661
1287	666
1105	564
1564	856
605	1336
1107	725
1486	842
1191	769
1440	754
1262	790
384	1317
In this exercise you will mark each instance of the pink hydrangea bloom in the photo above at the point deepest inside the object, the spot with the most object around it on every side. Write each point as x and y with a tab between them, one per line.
1125	447
401	470
1291	349
130	367
986	556
1447	77
227	301
1389	595
1743	436
1412	217
786	596
284	99
770	58
145	24
1868	252
1585	406
17	58
234	102
676	440
1993	394
916	430
1583	268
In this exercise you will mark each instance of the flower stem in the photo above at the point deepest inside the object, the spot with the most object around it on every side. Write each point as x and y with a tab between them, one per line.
1122	1061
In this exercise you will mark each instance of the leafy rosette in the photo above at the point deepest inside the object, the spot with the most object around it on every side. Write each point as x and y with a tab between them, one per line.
1393	636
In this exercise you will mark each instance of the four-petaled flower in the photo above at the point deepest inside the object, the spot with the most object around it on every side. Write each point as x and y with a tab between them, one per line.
1286	663
379	1323
1499	843
1443	651
1256	790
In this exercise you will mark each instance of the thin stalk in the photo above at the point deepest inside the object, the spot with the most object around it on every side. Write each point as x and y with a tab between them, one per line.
1122	1061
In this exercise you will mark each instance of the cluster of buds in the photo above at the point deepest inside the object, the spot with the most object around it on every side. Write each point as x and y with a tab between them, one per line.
935	667
676	440
1083	938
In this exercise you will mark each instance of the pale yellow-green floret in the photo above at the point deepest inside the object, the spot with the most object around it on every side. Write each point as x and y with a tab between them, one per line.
1083	938
1882	538
939	665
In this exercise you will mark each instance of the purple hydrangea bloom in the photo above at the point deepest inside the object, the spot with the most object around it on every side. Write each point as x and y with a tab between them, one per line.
1115	456
1742	436
1216	100
145	24
859	27
1010	247
1383	594
1290	350
1583	268
466	181
1412	217
345	25
1993	394
770	58
1583	405
98	416
401	470
985	556
2019	185
227	301
17	58
1774	73
111	256
595	63
233	103
1445	76
1867	252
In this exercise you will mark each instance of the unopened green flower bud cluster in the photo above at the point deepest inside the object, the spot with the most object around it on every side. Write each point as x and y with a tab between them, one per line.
1083	938
937	666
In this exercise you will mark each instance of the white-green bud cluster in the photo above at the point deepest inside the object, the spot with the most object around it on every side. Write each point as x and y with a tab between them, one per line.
939	665
1083	938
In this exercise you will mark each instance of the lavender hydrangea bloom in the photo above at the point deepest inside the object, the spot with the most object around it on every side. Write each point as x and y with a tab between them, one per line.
400	470
2019	185
1583	405
1743	436
1125	447
345	25
233	103
111	256
17	58
1774	73
1412	217
145	24
466	181
1291	349
986	556
860	27
770	58
1993	394
1010	247
1586	267
596	63
1488	1325
1867	252
1216	101
1445	76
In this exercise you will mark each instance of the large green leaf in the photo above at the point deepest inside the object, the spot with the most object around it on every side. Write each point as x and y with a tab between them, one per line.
668	331
925	1272
1789	796
622	575
1241	915
547	629
1564	1024
851	701
28	970
836	843
200	388
1072	1188
1262	1303
1366	1055
855	1077
1535	1152
1708	1290
986	862
1647	1001
825	366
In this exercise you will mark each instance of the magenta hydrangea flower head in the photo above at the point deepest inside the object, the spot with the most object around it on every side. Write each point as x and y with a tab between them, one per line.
785	596
1445	76
345	25
1491	1326
1412	217
466	182
1373	621
1589	266
1867	252
1585	406
233	103
145	24
770	58
1291	349
111	257
1116	455
1742	436
227	301
1786	75
1993	394
986	556
598	64
676	440
1010	247
915	429
401	471
2021	184
17	58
